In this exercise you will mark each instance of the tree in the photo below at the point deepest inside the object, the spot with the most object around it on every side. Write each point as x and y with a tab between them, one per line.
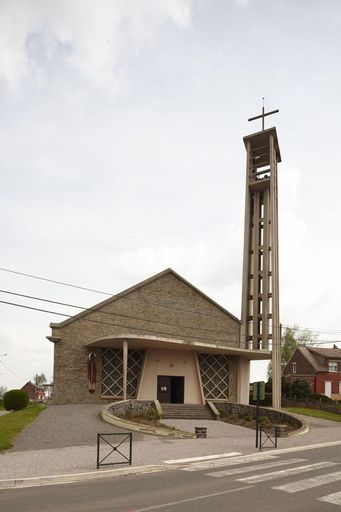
292	338
3	390
39	379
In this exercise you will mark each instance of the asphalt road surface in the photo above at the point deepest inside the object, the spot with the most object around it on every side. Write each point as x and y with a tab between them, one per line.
303	481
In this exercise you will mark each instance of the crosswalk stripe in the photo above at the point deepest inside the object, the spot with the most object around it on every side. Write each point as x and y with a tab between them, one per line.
255	467
205	457
287	472
334	498
228	462
309	483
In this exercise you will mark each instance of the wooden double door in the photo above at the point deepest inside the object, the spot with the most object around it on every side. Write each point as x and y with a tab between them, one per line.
170	389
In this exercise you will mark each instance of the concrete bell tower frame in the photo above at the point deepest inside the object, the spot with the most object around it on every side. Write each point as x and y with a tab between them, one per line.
260	323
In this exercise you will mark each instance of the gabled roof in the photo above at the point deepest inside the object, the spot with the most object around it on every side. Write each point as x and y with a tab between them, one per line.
330	353
138	286
32	386
313	356
306	352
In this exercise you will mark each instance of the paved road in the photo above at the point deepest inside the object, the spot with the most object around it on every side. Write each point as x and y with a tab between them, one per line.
301	481
61	426
63	440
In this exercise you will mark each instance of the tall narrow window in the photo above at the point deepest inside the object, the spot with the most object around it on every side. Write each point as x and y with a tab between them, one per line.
293	367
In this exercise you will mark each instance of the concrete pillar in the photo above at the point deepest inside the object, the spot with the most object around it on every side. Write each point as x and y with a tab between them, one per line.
125	368
243	390
244	343
276	338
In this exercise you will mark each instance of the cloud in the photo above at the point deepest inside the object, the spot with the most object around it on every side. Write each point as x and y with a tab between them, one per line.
243	3
212	265
89	39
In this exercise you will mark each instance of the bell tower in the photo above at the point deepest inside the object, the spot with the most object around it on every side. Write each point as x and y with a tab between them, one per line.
260	324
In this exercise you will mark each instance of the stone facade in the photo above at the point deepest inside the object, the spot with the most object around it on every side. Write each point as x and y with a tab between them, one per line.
132	407
164	306
274	415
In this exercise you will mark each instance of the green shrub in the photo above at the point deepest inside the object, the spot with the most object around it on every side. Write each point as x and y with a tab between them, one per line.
316	397
152	414
247	418
264	421
286	387
15	399
300	388
234	417
223	412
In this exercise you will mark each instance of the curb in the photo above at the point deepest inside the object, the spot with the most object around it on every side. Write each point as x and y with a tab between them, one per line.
143	429
19	483
303	429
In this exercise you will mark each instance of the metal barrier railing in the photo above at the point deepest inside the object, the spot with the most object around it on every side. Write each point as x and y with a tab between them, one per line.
122	449
268	438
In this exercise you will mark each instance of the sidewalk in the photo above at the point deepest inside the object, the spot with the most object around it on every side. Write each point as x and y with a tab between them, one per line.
152	450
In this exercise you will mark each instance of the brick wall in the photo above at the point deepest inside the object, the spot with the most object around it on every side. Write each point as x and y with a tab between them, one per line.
335	378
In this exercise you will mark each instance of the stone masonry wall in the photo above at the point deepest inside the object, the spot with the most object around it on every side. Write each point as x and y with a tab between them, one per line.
131	406
250	410
195	319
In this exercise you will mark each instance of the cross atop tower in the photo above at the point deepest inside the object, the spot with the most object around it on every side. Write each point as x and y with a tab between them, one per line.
263	114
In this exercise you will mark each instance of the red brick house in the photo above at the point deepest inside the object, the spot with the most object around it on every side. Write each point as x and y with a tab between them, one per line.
34	392
321	367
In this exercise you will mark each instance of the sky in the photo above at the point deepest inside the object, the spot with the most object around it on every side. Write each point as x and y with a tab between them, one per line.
121	155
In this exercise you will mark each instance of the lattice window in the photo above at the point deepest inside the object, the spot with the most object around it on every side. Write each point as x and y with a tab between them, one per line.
112	372
135	360
214	371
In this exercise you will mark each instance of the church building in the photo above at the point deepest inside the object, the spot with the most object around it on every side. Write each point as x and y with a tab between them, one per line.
161	339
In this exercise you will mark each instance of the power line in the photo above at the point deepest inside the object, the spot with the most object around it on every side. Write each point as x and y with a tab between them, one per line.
138	328
325	331
53	281
10	371
158	304
89	310
114	324
93	309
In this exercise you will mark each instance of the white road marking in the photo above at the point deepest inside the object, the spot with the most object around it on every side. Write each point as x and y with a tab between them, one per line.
249	469
188	500
309	483
332	498
280	451
228	462
206	457
287	472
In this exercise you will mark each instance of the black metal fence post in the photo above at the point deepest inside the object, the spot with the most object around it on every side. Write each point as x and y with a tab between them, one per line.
114	448
98	440
257	417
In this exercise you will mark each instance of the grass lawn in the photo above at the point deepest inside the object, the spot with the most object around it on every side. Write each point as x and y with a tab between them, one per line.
14	422
316	413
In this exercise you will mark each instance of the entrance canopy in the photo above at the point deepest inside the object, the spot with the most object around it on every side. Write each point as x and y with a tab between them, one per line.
139	342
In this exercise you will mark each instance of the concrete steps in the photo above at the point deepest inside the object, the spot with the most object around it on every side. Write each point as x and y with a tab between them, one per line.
187	411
